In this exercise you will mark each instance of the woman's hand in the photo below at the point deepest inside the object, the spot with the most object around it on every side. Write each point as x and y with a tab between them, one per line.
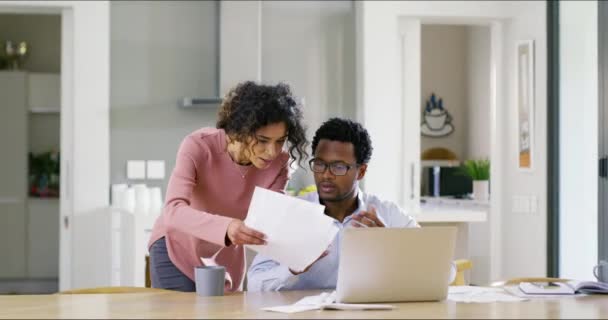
238	234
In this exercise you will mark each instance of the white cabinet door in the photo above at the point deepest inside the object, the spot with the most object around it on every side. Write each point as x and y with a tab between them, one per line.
43	238
12	242
13	174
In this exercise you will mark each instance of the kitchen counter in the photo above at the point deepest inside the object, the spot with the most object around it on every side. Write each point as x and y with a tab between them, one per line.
444	209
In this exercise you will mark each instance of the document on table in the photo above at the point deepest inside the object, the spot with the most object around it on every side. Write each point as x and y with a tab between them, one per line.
325	301
472	294
297	231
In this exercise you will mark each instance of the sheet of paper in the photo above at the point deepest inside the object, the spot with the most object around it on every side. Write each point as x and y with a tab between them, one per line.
471	294
325	301
298	231
516	291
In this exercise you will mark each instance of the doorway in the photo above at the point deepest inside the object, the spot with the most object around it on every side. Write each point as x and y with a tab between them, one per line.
84	134
30	72
455	128
481	232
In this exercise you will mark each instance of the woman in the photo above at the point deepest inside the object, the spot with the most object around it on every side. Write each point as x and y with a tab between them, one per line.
215	173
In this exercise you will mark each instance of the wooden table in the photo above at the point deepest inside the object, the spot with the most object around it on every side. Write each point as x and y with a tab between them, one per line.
247	305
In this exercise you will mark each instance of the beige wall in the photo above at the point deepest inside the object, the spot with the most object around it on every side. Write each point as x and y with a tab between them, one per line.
478	92
42	32
444	55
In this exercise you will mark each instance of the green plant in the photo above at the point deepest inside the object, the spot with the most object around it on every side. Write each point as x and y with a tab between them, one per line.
44	174
476	169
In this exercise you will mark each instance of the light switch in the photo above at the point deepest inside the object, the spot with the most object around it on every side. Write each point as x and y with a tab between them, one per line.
136	169
533	204
516	204
156	169
525	204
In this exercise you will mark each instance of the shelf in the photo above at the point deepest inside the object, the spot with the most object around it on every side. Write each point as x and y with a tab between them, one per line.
439	163
45	110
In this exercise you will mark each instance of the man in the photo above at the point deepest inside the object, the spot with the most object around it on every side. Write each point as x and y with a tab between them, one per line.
341	149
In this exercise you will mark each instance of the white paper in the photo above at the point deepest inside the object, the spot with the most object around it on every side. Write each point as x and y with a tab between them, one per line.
325	301
516	291
297	231
471	294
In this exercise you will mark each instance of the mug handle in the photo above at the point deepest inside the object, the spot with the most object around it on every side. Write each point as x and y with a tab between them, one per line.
595	272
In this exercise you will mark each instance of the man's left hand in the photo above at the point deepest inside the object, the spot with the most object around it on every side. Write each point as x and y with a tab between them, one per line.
368	218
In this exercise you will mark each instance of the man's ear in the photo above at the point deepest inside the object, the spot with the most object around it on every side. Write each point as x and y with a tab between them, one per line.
361	171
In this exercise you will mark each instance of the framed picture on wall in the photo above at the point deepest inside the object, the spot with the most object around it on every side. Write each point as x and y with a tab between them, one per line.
525	104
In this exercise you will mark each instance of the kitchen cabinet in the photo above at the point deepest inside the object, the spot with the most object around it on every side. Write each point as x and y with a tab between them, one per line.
13	174
43	238
29	227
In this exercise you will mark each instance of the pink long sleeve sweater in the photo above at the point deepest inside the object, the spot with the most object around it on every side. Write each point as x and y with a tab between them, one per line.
205	192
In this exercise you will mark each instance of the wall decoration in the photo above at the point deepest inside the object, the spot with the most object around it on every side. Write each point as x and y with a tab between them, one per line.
525	104
436	120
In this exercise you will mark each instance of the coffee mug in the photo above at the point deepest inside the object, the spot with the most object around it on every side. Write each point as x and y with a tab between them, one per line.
601	271
209	280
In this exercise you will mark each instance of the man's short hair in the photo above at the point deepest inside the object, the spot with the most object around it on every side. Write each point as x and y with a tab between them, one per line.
345	130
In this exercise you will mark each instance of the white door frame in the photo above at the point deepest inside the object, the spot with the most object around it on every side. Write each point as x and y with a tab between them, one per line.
85	70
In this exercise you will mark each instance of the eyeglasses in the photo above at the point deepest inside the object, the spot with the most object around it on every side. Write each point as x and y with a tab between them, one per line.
336	168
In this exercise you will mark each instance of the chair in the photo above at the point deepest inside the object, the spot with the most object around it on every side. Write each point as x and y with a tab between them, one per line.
147	288
148	280
111	290
461	266
438	154
516	281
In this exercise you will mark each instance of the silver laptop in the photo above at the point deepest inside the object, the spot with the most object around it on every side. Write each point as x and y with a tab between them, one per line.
395	264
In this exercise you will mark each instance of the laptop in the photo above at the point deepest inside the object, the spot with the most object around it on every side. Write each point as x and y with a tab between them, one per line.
395	264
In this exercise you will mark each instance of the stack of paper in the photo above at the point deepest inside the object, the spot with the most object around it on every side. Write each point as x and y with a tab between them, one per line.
325	301
298	231
471	294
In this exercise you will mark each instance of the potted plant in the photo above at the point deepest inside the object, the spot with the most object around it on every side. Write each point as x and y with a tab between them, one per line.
44	174
479	171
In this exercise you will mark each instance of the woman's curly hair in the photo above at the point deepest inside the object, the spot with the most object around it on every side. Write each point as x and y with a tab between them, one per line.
250	106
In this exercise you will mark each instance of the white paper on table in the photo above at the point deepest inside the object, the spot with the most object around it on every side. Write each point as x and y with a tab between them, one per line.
469	294
297	231
325	301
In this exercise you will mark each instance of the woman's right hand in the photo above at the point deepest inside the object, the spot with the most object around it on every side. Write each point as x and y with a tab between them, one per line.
238	234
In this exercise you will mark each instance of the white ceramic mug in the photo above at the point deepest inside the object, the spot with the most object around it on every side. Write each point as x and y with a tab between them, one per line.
601	271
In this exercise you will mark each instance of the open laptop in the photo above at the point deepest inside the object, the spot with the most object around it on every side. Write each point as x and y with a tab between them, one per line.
395	264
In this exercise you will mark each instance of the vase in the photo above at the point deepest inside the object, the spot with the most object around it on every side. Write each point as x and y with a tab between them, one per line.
481	190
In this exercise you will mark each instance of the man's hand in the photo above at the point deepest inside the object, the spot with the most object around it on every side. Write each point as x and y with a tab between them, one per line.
238	234
368	219
326	252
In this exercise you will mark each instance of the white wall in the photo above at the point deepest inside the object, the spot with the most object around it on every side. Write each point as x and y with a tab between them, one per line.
578	139
478	89
160	52
525	234
444	72
310	45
